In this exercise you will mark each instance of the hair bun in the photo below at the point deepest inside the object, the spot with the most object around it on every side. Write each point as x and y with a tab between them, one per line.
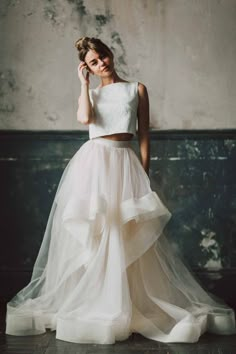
85	44
82	43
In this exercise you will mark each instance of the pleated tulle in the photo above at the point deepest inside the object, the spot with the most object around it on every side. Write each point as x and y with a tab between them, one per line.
105	268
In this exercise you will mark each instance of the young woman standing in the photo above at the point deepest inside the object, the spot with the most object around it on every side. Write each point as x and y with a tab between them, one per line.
105	268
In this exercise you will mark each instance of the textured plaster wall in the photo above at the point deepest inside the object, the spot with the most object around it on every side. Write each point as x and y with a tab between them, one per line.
184	51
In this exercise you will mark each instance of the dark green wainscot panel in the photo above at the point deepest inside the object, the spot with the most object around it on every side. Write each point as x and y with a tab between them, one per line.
193	172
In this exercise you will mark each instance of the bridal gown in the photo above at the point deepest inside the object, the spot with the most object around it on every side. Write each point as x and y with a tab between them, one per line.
105	268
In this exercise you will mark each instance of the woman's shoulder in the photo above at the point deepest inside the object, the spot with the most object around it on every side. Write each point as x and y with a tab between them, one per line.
142	89
140	84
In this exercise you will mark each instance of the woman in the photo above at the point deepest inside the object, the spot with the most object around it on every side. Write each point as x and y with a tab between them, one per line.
105	268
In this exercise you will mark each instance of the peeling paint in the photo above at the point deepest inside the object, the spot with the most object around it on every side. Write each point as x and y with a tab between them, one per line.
189	150
50	12
7	107
9	159
230	144
119	50
192	150
210	213
6	5
195	150
213	264
101	20
7	82
79	7
28	14
173	158
98	20
211	250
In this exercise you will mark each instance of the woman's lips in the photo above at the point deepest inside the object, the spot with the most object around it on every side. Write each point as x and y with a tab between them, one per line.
106	68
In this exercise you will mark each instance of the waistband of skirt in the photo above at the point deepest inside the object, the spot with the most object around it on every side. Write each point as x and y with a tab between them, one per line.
112	143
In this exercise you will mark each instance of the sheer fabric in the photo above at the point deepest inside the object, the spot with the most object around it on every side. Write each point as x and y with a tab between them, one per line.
105	268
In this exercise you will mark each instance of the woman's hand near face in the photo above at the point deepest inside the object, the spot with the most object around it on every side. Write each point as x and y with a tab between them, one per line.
83	79
85	113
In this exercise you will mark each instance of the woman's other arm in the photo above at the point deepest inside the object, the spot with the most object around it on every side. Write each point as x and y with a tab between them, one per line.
143	127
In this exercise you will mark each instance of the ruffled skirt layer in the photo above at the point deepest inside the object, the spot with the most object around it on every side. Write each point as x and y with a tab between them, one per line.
105	268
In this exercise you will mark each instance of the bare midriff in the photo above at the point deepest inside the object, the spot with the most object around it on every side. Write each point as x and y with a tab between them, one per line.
118	136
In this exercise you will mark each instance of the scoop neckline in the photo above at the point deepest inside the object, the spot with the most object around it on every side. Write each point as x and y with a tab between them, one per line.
114	83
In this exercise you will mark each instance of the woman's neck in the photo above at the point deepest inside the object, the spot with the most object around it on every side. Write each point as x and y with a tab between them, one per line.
110	79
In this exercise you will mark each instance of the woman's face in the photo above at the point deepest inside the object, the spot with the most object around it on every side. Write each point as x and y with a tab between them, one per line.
100	64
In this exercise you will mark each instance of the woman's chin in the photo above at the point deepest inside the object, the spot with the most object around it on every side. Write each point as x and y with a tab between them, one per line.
107	73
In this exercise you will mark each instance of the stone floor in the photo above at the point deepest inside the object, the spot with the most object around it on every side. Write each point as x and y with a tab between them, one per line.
47	344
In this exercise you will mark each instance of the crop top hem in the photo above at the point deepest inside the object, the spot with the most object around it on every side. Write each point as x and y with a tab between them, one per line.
113	132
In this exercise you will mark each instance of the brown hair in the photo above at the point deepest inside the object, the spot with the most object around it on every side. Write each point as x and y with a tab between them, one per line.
84	44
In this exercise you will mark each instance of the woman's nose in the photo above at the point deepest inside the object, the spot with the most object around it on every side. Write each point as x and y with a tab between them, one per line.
101	62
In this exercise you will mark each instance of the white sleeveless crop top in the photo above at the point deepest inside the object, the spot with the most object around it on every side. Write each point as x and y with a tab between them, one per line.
115	107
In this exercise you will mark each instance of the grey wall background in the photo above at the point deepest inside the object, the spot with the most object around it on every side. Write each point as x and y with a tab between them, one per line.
184	51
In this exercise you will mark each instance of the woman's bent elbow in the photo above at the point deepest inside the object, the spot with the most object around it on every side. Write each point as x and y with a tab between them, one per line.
85	121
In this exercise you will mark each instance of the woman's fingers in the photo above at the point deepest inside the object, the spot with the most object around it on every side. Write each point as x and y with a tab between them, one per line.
83	78
82	65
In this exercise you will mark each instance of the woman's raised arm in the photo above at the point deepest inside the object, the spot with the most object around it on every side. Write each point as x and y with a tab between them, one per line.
85	113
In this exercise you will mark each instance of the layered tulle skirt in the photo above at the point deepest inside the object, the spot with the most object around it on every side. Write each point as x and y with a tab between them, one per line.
105	268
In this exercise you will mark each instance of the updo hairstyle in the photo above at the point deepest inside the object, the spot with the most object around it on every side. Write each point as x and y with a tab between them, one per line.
84	44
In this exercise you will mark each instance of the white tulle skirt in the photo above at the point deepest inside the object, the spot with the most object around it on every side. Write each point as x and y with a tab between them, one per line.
105	268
